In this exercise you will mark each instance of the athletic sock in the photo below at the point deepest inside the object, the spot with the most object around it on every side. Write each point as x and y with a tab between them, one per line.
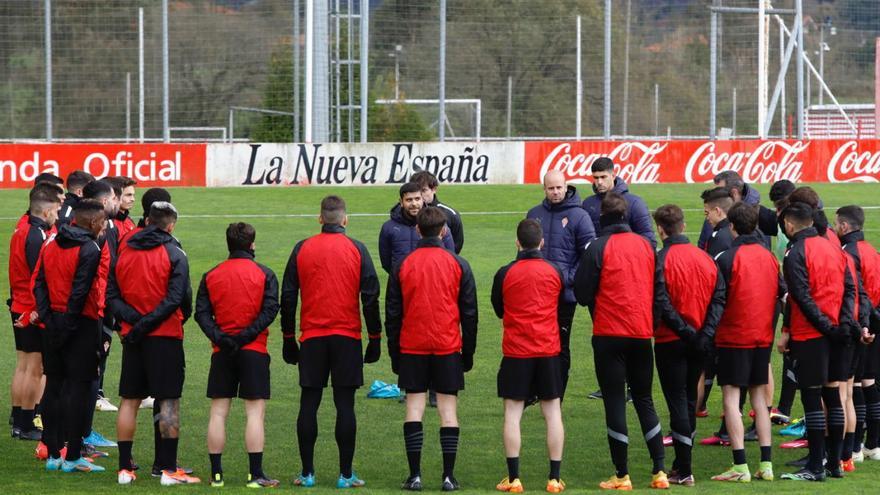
27	419
216	465
766	453
157	436
168	461
859	403
14	414
847	452
555	467
38	409
512	468
872	421
739	457
413	437
814	417
836	423
449	447
707	389
255	463
124	447
789	388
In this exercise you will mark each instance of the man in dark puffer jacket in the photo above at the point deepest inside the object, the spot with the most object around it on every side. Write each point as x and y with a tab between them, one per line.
398	236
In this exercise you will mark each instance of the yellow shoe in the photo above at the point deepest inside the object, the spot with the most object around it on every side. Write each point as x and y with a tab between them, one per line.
38	422
660	481
506	485
615	483
555	486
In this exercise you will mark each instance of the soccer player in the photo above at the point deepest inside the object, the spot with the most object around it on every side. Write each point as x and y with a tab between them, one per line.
431	322
821	295
739	190
688	301
149	197
24	251
429	185
236	303
76	181
123	221
398	236
525	294
333	275
848	223
744	336
69	289
567	229
604	181
716	203
106	191
150	293
616	272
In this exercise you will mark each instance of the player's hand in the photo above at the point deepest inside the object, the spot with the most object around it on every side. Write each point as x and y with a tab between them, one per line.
290	351
135	334
782	343
867	336
701	344
21	321
467	362
228	344
374	350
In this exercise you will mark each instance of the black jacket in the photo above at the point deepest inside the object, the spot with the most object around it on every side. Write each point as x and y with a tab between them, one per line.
720	239
65	216
453	222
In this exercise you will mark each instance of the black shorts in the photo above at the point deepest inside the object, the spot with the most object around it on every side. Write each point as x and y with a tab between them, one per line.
335	356
443	374
743	367
840	362
857	369
524	378
871	360
810	358
244	374
78	358
27	339
154	367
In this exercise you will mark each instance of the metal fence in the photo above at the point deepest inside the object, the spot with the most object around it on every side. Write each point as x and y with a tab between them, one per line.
513	68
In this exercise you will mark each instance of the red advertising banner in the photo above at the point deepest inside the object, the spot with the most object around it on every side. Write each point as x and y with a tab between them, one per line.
151	165
649	162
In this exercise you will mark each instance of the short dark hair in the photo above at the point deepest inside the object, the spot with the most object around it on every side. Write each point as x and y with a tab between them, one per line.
613	204
781	189
409	188
49	178
162	214
529	233
240	236
798	213
425	179
85	211
732	180
670	218
152	195
78	179
430	221
743	217
805	194
125	181
115	183
602	164
97	189
854	215
333	210
718	196
44	194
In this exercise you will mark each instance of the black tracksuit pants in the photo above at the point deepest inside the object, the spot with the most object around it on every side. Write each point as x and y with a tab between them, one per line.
679	371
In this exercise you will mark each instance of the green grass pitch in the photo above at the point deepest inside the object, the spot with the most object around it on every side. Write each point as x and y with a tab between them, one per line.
283	216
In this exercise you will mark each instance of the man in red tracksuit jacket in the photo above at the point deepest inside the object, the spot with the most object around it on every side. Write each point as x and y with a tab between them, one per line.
24	251
820	329
431	322
688	302
236	302
525	294
69	289
150	294
744	336
617	272
334	276
866	398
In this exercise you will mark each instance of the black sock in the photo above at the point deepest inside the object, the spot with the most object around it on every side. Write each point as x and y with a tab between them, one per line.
449	447
872	421
14	415
512	468
168	460
555	466
346	428
255	463
38	409
847	452
814	417
413	437
789	387
125	454
859	403
722	430
766	453
836	424
739	456
707	389
27	419
157	437
216	465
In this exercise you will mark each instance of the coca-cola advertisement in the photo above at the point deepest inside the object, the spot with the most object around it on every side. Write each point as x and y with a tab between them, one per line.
762	162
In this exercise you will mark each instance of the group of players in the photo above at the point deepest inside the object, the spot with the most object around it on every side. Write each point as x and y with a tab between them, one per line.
80	269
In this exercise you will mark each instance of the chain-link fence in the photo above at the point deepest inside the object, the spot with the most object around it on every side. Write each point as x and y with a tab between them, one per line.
511	68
